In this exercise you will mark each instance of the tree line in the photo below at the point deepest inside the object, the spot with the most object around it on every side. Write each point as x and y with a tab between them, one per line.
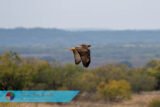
112	82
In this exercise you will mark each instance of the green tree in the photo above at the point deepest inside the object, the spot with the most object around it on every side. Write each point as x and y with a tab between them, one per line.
140	80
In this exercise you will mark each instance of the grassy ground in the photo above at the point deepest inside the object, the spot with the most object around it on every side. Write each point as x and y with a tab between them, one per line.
137	100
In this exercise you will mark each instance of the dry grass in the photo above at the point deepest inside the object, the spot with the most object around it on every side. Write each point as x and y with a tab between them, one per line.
138	100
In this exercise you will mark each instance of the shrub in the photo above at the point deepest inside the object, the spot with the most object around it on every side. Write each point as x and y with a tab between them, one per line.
111	72
87	82
154	103
114	90
140	80
63	77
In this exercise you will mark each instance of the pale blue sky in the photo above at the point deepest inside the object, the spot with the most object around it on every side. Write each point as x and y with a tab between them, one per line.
80	14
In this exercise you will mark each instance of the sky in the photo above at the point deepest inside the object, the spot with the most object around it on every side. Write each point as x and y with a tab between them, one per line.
80	14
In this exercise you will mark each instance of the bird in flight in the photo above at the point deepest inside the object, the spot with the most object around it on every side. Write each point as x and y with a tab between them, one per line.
82	53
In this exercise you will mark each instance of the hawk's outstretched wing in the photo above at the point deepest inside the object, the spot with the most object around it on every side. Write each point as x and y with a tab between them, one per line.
77	57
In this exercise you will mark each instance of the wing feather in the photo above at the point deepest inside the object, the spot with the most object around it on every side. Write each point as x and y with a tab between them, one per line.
77	57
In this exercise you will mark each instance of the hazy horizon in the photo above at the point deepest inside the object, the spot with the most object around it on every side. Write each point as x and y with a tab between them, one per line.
80	29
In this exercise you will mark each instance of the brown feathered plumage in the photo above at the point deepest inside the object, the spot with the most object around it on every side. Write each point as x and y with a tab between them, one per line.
77	57
82	53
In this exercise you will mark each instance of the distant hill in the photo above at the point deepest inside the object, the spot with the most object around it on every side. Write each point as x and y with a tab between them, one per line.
126	46
40	36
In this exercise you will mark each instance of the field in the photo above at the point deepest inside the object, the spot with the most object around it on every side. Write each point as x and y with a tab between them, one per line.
138	100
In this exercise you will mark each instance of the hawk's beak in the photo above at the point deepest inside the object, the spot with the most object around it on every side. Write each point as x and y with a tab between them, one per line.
71	49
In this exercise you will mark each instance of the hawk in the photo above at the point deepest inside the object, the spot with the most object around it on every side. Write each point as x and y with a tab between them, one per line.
82	53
